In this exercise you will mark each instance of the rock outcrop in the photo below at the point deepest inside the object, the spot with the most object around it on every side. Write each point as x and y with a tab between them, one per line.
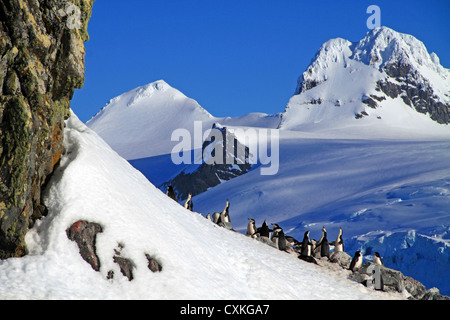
197	178
41	64
395	281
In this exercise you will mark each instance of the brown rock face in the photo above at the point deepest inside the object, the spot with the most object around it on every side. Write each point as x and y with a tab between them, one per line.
41	64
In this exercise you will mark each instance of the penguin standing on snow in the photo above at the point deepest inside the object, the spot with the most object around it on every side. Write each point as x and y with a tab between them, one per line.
279	234
188	200
356	261
306	256
305	244
208	217
264	231
324	245
216	217
171	193
377	259
225	215
339	243
251	227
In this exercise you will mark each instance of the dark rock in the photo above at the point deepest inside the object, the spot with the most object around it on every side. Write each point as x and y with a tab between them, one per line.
84	234
415	91
126	266
393	280
370	102
197	181
41	64
153	264
434	294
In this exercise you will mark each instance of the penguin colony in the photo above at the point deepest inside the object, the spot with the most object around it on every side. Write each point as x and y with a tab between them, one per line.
308	249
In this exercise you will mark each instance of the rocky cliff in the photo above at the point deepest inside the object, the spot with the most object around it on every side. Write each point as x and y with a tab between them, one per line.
41	64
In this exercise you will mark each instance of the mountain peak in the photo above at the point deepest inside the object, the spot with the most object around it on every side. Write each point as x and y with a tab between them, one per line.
387	76
382	46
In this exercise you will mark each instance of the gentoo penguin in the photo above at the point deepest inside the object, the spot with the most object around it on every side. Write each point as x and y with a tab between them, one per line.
264	231
356	261
377	259
251	227
324	245
339	243
305	244
171	193
279	234
225	215
186	204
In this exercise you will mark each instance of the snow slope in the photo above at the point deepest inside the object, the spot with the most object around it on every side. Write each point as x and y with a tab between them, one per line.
359	185
199	259
138	124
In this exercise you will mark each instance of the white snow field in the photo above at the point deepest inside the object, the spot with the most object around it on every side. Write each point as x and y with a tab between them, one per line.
200	260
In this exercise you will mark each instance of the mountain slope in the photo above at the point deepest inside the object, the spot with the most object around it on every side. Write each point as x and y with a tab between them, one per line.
382	86
138	124
155	110
199	260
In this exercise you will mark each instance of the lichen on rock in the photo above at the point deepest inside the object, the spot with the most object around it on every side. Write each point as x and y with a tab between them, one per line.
41	64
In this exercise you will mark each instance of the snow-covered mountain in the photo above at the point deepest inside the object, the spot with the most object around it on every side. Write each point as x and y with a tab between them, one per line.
138	124
386	85
364	145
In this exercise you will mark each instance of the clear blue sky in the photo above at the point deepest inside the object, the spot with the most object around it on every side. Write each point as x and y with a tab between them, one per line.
233	56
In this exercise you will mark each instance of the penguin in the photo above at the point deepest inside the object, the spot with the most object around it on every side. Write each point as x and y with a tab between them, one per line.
305	244
377	259
186	204
356	261
281	240
216	218
339	243
307	256
171	193
279	234
251	227
264	231
208	217
323	244
225	215
291	241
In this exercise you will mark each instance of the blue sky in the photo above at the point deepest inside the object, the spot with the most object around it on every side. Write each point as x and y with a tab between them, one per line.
233	57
